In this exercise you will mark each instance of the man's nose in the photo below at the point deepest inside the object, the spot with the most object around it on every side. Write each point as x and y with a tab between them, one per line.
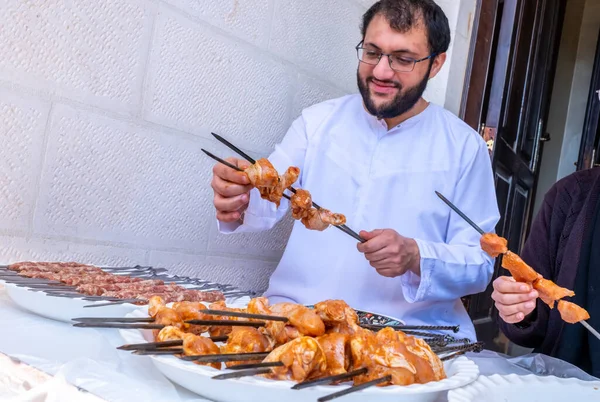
382	70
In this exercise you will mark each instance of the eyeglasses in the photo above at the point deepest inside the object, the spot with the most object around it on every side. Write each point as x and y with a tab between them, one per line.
398	63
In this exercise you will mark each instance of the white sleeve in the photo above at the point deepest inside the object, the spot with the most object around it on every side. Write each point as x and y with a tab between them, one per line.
459	267
262	214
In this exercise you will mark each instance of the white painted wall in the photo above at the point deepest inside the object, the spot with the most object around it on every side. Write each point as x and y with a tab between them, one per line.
104	106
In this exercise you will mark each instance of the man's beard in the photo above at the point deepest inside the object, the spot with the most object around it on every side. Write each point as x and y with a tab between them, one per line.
402	102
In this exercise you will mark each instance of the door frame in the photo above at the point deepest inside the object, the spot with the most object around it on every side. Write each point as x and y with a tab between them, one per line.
589	151
496	47
480	50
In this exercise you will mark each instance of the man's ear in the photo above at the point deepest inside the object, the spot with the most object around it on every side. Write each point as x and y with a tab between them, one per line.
438	63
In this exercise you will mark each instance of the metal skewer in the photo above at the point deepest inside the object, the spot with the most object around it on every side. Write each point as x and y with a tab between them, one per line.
344	228
460	213
589	328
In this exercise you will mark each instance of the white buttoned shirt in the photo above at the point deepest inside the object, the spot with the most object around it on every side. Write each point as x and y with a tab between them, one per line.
384	178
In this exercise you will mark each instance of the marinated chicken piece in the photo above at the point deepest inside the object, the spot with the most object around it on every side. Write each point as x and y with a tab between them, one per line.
320	219
420	348
387	353
286	180
337	353
154	303
302	321
518	268
550	292
302	358
221	330
189	304
191	311
262	174
269	183
338	316
194	345
246	340
493	244
301	203
362	347
169	333
168	317
260	305
571	312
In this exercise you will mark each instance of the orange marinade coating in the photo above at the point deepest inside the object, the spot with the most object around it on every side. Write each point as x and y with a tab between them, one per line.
493	244
550	292
518	268
571	312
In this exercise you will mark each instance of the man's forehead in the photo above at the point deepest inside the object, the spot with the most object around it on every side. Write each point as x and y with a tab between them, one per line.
381	34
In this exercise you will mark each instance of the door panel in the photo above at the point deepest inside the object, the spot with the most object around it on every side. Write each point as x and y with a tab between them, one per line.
515	115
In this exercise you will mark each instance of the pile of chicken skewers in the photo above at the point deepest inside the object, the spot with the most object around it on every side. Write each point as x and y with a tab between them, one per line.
309	344
271	186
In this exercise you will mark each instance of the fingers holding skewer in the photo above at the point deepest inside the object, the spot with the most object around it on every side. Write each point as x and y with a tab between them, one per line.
513	300
515	297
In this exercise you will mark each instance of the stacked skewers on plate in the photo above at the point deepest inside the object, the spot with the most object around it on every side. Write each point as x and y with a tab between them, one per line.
291	343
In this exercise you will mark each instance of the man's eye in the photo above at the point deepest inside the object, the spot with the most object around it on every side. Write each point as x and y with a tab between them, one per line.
402	61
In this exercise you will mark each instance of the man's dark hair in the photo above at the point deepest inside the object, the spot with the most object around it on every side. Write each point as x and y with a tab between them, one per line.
403	15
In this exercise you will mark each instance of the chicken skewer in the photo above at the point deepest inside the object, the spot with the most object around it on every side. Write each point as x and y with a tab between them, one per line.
337	220
548	291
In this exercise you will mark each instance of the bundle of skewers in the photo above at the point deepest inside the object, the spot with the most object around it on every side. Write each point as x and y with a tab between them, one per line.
548	291
272	186
116	285
325	344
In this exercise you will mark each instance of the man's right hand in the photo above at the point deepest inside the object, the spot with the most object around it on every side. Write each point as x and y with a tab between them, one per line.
514	300
232	190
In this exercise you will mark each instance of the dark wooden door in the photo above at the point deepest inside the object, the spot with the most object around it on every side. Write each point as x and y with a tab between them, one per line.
511	110
589	152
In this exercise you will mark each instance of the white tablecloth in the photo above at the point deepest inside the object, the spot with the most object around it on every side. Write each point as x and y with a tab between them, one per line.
85	357
88	358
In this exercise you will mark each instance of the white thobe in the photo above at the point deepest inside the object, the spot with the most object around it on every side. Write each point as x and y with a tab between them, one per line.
379	178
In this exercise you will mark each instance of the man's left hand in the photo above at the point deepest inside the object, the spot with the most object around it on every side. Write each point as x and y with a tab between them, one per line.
389	253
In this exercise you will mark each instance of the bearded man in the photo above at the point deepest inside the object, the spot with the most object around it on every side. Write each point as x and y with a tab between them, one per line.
378	157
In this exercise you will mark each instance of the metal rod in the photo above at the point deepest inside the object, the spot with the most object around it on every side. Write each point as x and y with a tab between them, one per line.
292	189
460	213
592	330
355	388
244	315
329	379
226	357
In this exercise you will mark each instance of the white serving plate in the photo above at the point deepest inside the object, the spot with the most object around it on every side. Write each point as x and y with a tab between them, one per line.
66	308
460	371
528	388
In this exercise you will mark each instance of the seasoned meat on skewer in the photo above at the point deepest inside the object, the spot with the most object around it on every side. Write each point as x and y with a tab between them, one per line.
336	347
262	174
194	345
302	358
493	244
302	321
386	353
301	203
338	316
320	219
571	312
550	292
518	268
169	333
246	340
269	183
